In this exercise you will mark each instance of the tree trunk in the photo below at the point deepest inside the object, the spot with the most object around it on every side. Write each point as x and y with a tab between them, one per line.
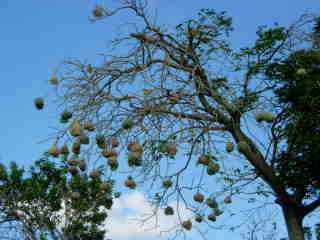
294	223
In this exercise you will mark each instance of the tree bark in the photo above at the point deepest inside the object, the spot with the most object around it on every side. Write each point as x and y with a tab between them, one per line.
293	221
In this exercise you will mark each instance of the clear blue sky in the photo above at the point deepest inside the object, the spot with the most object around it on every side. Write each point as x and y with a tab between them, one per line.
36	35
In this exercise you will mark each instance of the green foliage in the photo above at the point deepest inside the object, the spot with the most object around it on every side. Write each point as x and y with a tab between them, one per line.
269	37
298	92
267	44
205	31
38	197
316	33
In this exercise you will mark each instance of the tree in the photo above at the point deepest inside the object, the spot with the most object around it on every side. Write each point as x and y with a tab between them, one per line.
46	203
299	81
185	94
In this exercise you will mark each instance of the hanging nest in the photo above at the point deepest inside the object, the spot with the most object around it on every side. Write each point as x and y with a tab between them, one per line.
168	211
82	165
301	71
75	129
89	126
98	11
264	116
169	149
212	217
187	225
130	183
95	173
106	186
172	149
73	170
65	116
76	147
102	146
75	195
134	159
39	103
198	197
117	195
229	147
163	147
212	168
114	142
54	151
73	162
135	147
84	139
89	68
107	153
100	140
64	149
227	200
147	91
54	80
243	147
211	203
204	159
127	124
167	183
113	163
217	212
99	195
198	218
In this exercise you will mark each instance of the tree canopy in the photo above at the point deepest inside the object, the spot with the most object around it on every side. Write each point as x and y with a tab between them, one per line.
46	203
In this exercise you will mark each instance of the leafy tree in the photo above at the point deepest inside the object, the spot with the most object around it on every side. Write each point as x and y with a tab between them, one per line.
299	85
184	103
299	94
46	203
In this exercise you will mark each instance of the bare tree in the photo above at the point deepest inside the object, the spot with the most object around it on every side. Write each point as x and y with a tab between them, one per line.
184	105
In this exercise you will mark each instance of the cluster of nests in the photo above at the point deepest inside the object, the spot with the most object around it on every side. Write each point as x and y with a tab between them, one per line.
210	202
135	153
199	198
207	161
135	150
110	153
108	147
81	138
167	148
104	187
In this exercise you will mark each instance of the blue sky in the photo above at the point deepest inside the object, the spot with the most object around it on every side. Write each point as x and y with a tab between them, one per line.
36	35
